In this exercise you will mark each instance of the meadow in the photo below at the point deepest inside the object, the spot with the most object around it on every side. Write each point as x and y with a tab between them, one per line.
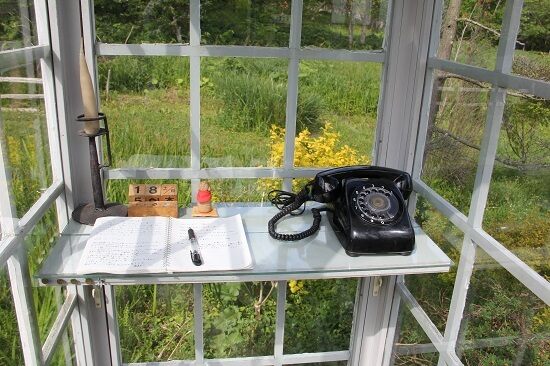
242	113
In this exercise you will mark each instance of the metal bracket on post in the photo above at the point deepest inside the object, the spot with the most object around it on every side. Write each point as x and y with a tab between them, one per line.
371	317
377	284
97	295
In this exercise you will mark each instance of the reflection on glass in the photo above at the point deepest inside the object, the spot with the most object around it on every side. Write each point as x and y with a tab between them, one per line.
47	300
64	353
241	99
246	23
470	32
504	323
146	102
17	25
155	322
411	346
242	190
24	135
336	117
531	58
455	129
518	211
344	24
434	291
11	352
239	319
319	315
142	21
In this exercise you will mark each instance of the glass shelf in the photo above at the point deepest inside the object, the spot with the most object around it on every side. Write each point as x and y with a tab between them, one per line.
317	257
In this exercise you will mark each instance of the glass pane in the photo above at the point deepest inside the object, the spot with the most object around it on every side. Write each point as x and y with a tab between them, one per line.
517	212
248	23
142	21
47	300
240	99
336	119
411	345
64	354
239	319
17	25
156	322
38	243
455	130
344	24
531	58
11	352
470	32
319	315
504	323
434	291
24	135
146	102
242	190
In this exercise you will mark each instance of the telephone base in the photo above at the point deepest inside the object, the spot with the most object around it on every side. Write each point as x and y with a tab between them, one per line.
373	244
355	254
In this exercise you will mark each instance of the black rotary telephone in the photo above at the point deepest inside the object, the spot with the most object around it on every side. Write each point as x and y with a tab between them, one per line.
365	205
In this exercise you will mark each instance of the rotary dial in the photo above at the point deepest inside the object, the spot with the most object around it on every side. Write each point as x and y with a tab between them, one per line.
375	204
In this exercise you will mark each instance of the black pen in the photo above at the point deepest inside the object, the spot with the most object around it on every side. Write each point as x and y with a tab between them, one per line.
195	253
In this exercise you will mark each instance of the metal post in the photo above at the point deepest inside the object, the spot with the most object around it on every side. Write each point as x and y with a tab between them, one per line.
408	32
89	324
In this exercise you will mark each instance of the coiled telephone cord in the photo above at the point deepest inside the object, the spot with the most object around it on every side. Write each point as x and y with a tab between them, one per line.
289	202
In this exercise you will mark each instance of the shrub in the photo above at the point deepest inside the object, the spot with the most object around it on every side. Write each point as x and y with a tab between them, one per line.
324	150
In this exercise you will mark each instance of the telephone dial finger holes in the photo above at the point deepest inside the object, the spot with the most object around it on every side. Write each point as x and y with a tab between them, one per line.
376	204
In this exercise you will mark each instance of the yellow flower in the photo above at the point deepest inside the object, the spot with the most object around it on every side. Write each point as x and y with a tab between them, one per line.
323	150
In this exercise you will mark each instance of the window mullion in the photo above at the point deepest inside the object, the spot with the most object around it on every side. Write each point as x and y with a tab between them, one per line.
195	92
292	91
42	26
280	323
199	329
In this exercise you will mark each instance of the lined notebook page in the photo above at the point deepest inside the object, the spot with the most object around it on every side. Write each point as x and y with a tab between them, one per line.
126	245
222	244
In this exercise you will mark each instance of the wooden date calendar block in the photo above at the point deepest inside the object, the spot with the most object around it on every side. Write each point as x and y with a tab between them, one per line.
153	200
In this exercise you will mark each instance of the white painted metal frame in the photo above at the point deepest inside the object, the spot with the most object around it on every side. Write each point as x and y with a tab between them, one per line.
294	53
501	78
14	230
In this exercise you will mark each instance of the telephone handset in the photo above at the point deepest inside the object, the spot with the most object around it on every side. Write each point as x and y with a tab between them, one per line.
366	208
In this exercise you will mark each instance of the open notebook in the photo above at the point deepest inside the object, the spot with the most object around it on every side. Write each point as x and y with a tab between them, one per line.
125	245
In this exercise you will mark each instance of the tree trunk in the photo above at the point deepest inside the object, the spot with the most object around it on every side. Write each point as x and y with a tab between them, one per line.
448	31
349	13
365	20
